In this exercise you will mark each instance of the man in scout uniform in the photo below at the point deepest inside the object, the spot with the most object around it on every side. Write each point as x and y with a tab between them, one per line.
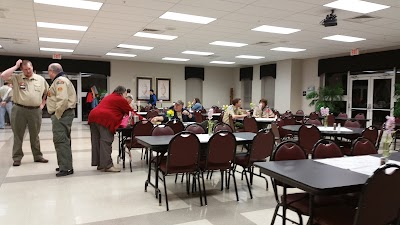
29	96
61	103
236	112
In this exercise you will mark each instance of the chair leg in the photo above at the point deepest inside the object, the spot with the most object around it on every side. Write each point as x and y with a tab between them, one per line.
229	178
248	184
204	189
234	182
141	156
275	214
301	218
182	177
165	191
198	181
251	174
222	180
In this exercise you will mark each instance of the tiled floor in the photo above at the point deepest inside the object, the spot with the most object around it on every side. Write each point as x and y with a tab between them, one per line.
32	194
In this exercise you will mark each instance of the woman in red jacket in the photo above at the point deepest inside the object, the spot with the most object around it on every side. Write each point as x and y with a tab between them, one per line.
104	121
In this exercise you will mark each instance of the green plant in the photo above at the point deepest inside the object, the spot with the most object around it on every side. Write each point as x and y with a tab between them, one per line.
102	94
396	111
330	97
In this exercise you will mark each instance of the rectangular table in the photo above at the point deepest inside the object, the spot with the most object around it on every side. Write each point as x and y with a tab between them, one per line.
316	178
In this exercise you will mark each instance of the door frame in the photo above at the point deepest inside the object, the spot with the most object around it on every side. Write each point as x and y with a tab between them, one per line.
370	78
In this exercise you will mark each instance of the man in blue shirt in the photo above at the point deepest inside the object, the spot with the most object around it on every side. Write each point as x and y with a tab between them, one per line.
153	98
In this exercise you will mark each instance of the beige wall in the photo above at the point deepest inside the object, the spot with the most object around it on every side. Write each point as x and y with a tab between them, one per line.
310	78
296	86
216	85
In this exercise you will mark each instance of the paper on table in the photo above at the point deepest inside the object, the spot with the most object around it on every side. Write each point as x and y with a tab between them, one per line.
369	170
342	129
265	119
240	139
352	162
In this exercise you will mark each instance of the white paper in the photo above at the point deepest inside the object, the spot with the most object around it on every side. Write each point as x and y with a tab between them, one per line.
265	119
203	138
342	129
142	113
352	162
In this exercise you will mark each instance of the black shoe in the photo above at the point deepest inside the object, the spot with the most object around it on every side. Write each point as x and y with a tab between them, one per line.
65	173
17	163
57	169
42	160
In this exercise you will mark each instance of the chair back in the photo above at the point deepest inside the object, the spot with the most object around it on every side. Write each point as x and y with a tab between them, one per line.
380	198
195	128
288	150
221	117
360	116
378	142
198	117
313	116
222	126
162	130
262	146
363	146
275	131
370	133
221	150
250	124
152	113
143	128
183	151
326	148
300	112
308	136
203	110
176	125
331	119
315	122
342	115
289	121
354	124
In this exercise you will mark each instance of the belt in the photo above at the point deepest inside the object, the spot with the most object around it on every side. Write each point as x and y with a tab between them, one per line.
26	107
64	110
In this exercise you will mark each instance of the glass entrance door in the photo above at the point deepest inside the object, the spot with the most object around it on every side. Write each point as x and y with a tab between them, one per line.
371	95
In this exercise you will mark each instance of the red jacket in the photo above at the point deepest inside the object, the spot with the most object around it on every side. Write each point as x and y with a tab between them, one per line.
110	111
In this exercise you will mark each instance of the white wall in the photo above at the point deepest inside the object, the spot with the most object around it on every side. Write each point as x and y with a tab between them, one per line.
309	78
216	85
296	86
283	85
256	88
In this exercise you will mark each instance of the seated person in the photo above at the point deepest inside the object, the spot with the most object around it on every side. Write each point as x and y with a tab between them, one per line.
129	98
263	111
236	112
196	105
180	113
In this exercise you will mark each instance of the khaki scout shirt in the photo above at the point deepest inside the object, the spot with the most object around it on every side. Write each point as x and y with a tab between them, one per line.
61	96
231	110
3	91
29	91
265	113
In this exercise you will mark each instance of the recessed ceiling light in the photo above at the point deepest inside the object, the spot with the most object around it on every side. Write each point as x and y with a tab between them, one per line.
343	38
61	26
175	59
80	4
249	57
222	62
58	40
356	6
186	18
56	50
276	30
121	54
155	36
284	49
135	47
197	53
228	44
1	46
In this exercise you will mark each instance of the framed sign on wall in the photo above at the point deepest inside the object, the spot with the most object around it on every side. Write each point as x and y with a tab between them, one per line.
163	89
143	86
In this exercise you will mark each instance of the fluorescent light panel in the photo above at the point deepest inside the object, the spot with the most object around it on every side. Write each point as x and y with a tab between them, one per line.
79	4
285	49
175	59
222	62
155	36
186	18
343	38
121	54
62	26
276	30
197	53
135	47
249	57
58	40
56	50
228	44
356	6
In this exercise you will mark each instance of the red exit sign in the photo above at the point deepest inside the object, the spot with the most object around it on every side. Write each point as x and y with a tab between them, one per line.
56	56
354	51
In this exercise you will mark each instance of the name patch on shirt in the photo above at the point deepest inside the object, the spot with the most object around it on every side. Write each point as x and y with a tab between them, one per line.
60	82
59	89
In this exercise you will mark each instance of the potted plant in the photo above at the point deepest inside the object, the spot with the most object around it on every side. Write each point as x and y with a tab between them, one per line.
330	97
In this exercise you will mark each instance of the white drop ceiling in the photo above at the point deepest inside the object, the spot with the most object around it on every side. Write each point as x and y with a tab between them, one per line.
118	20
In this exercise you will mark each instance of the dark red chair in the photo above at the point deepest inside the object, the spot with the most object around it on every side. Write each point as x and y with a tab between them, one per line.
161	130
220	154
275	131
299	116
176	125
250	124
315	122
363	146
308	136
222	126
379	203
370	133
378	141
198	117
182	157
150	114
313	116
141	128
195	128
331	119
326	148
297	202
261	148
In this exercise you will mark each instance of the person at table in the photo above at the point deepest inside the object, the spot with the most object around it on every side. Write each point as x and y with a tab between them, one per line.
196	105
180	113
236	111
129	98
153	99
263	111
104	121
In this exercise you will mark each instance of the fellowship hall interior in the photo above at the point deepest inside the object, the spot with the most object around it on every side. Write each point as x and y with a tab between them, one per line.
214	50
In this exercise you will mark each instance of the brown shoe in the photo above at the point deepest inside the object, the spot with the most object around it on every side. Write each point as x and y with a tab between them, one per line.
100	168
112	169
42	160
17	163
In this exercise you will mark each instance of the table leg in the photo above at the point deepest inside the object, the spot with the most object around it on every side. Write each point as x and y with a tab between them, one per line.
284	207
311	209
